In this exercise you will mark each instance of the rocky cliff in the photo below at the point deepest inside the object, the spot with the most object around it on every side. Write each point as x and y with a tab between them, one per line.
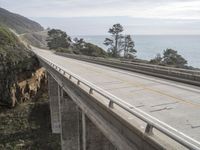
20	73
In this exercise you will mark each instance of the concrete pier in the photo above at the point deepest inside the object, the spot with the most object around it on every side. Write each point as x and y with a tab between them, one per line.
94	139
54	104
77	131
69	115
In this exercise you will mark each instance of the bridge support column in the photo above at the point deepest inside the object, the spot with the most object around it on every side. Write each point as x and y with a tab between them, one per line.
93	139
77	131
70	118
54	104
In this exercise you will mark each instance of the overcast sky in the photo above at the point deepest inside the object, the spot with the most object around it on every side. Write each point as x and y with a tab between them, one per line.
90	17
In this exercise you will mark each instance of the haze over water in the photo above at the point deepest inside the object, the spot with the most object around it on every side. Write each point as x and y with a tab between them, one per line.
148	46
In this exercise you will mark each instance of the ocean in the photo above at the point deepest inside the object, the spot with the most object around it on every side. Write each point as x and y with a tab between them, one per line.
148	46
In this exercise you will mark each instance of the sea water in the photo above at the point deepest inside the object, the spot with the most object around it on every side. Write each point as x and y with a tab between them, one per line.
148	46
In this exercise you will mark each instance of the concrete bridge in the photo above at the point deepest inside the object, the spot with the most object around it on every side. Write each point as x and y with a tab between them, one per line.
97	107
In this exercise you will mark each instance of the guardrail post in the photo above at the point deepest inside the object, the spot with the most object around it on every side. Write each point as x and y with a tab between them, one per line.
78	82
149	129
111	104
91	91
70	77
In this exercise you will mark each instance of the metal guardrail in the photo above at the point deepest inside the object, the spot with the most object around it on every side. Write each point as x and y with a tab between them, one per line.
171	69
151	122
161	67
181	75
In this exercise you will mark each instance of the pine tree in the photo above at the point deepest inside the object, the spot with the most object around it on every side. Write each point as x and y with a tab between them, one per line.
129	47
115	42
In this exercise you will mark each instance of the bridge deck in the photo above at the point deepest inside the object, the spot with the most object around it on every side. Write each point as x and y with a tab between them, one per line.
174	103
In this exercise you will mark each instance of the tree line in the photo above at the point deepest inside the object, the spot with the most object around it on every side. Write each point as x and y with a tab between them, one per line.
123	45
118	44
61	42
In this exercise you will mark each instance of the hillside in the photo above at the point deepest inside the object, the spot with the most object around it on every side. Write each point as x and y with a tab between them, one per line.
18	23
10	47
37	39
23	87
17	63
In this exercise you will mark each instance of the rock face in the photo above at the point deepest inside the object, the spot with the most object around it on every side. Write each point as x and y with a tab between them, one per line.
19	74
28	88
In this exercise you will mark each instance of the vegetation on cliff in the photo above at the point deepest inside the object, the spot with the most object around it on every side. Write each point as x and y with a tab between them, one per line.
58	39
61	42
17	63
170	58
18	23
11	49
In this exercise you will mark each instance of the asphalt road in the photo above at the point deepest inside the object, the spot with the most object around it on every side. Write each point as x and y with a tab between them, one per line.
174	103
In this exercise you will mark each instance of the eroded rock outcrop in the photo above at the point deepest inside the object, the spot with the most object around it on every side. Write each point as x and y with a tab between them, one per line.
27	89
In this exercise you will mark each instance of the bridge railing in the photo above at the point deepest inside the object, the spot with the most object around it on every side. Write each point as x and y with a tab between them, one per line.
194	72
151	122
177	74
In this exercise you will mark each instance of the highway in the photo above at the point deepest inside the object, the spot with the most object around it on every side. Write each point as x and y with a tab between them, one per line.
173	103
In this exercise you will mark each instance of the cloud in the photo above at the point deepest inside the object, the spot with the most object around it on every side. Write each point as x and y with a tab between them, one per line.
184	9
100	25
138	16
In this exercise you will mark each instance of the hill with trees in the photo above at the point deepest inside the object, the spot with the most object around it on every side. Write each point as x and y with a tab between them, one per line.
18	23
61	42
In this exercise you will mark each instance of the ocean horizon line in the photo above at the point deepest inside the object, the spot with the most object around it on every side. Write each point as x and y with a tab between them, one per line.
141	35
